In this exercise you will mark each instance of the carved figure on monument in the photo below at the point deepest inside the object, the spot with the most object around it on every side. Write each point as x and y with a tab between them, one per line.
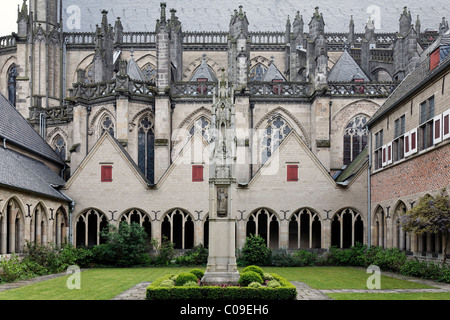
222	202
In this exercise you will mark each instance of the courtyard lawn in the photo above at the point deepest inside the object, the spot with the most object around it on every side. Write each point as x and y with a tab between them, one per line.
341	278
391	296
104	284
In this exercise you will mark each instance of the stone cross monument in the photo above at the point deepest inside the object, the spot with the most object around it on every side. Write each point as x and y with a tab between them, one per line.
221	267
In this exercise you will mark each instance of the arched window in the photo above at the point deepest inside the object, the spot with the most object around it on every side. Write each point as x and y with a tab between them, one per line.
304	230
380	228
59	145
146	150
274	134
12	75
141	218
266	225
178	227
149	73
107	125
88	228
399	236
355	138
347	228
202	125
257	72
11	228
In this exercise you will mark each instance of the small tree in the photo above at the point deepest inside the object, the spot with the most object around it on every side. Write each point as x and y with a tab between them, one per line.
255	251
126	244
432	214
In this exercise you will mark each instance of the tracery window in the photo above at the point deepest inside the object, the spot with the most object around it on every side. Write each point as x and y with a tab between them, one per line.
107	125
274	134
202	126
146	143
265	224
355	138
149	73
59	145
178	227
12	75
257	72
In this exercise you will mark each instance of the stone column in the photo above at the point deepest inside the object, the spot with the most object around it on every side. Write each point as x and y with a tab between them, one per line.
162	135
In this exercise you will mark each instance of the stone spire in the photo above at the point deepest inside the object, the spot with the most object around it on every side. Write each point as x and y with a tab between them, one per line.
405	22
22	20
351	31
104	47
443	26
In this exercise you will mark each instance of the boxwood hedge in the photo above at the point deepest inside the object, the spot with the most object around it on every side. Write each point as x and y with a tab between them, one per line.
286	291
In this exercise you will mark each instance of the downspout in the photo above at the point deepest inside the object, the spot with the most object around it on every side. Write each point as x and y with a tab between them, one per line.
172	109
88	113
329	121
71	208
250	143
369	190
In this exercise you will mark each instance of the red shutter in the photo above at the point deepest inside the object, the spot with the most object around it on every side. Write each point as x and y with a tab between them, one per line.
106	173
406	145
292	172
446	124
413	140
434	59
197	173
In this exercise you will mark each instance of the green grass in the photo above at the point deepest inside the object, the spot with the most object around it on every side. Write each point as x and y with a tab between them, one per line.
104	284
391	296
341	278
96	284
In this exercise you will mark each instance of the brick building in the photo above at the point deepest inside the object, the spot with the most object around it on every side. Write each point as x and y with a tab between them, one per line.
411	151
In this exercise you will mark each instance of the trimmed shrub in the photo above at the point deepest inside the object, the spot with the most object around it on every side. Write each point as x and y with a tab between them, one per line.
167	284
248	277
184	277
255	251
255	285
304	258
267	277
254	269
191	284
286	291
198	273
273	284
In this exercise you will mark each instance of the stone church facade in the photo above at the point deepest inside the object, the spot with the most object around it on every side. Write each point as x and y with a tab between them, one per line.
129	113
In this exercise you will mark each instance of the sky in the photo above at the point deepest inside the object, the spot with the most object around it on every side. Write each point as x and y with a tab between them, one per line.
8	16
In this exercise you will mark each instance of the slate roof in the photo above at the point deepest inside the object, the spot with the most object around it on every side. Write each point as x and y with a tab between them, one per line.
263	15
21	172
134	71
273	74
353	168
16	129
204	72
346	69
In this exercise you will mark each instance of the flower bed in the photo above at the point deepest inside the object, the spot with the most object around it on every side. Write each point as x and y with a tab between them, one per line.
273	287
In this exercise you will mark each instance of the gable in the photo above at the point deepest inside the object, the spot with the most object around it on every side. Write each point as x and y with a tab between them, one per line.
107	152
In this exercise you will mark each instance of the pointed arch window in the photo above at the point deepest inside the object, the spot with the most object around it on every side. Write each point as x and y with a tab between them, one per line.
202	125
258	72
59	145
146	147
149	73
274	134
12	76
355	138
107	125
